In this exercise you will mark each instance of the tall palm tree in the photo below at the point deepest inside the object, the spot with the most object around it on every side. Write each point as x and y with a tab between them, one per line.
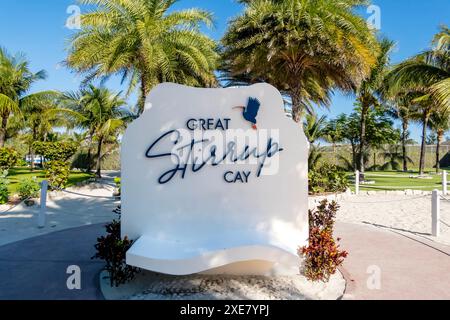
368	95
16	79
100	112
144	43
439	123
306	48
428	75
401	107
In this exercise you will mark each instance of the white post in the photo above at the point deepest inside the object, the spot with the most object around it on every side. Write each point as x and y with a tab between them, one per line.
357	182
43	209
435	213
444	183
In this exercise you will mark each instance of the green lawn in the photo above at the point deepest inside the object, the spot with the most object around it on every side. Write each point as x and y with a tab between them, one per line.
17	174
399	181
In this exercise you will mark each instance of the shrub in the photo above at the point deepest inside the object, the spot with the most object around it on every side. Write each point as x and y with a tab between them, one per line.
28	188
112	249
4	182
21	163
118	183
8	158
322	255
327	178
57	173
56	151
82	161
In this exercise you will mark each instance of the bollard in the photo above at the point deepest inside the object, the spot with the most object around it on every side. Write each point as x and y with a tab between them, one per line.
444	183
43	208
435	213
357	182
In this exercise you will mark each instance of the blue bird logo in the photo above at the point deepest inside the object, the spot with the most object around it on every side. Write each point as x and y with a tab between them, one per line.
250	111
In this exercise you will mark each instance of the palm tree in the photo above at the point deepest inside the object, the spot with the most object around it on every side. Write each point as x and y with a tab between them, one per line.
39	120
306	48
334	134
401	107
367	95
144	44
439	123
428	75
393	156
16	80
314	127
100	112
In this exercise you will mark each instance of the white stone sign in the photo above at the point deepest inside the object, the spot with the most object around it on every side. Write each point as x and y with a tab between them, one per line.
215	180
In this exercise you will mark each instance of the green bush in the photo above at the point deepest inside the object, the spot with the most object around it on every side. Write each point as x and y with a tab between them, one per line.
322	255
81	161
28	188
118	183
4	182
8	158
21	163
327	178
56	151
112	248
57	173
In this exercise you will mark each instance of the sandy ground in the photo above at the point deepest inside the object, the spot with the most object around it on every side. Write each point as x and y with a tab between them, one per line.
63	211
398	212
154	286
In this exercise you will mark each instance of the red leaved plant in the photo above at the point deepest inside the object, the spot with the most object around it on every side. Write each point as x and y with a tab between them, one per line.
322	255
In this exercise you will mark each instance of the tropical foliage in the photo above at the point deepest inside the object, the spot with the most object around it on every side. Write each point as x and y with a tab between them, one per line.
427	76
367	95
322	255
306	48
16	79
101	113
144	42
327	179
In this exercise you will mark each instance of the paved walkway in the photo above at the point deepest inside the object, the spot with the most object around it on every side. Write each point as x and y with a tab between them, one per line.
411	268
36	268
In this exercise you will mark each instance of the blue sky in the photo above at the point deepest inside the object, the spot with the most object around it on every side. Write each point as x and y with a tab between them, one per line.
37	28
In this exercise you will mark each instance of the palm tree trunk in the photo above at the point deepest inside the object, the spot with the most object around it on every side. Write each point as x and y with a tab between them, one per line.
143	94
3	130
31	151
354	155
334	153
362	140
404	135
296	107
374	160
424	137
99	162
88	160
89	155
440	133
